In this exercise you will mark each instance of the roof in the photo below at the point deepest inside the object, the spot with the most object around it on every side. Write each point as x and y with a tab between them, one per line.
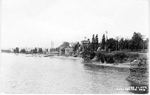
63	47
84	41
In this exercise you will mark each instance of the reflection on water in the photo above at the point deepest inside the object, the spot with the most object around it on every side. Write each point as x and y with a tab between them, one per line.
21	74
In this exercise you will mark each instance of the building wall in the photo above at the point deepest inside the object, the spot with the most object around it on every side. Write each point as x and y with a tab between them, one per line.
85	42
61	51
68	51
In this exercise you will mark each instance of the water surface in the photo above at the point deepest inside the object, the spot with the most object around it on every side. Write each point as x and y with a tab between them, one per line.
35	75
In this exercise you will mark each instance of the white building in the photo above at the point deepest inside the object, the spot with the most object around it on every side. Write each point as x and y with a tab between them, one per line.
68	51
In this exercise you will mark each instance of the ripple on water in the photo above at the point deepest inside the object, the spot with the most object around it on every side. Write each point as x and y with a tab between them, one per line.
37	75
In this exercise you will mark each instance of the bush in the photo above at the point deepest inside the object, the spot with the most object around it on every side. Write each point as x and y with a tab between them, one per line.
100	57
109	58
132	56
92	55
120	57
116	57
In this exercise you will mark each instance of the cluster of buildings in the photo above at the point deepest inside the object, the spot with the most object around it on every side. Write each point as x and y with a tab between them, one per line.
67	50
64	49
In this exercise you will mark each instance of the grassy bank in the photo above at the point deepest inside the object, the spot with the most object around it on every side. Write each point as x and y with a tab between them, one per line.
119	57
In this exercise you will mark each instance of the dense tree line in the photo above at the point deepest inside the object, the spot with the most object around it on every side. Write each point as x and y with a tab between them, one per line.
31	51
136	43
94	43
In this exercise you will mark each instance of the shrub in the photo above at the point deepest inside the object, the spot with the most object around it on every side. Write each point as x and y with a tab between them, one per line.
100	57
109	58
116	57
92	55
132	56
120	57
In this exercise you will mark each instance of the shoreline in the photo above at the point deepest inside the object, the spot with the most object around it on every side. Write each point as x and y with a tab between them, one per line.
123	67
66	57
126	64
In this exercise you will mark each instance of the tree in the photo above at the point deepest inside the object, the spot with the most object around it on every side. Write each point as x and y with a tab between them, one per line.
22	51
121	44
35	50
127	43
111	44
146	43
76	46
93	43
40	50
117	43
136	41
103	42
16	50
96	42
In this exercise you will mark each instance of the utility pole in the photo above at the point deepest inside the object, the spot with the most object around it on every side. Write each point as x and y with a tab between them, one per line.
106	41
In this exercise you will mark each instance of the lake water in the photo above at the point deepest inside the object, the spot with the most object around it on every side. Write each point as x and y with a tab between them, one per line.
22	74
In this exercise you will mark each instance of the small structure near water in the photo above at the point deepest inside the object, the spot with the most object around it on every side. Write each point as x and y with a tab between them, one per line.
68	51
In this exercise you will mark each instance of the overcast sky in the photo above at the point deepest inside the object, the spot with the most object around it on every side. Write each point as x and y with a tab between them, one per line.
35	23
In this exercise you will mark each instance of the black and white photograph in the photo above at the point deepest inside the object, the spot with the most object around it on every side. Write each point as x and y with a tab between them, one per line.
74	46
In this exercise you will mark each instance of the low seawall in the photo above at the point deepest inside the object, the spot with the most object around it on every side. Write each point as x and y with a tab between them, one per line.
119	67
